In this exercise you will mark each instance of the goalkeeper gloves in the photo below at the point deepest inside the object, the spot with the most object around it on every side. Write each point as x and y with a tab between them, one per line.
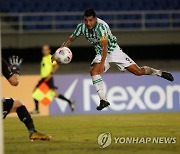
15	63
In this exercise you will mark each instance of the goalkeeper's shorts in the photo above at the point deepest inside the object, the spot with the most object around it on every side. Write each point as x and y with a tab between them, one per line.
7	105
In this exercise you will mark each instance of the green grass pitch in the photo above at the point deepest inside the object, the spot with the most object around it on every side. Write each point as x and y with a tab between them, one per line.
78	134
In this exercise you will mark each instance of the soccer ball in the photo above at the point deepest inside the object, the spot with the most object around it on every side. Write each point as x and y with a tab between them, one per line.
63	55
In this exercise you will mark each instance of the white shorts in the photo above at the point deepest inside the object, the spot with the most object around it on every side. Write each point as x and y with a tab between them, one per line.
118	57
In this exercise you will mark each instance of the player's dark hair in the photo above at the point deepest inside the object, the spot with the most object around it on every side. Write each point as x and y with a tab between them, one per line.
89	12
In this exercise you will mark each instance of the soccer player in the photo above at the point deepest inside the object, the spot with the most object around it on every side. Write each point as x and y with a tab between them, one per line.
47	71
98	33
10	105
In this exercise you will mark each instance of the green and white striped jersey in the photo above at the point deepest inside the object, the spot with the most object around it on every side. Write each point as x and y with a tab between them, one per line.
100	31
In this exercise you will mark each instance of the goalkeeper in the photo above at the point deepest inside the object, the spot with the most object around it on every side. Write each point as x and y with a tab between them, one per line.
10	105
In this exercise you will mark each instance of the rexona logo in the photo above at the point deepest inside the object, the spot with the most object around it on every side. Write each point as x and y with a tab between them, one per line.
122	98
62	104
127	98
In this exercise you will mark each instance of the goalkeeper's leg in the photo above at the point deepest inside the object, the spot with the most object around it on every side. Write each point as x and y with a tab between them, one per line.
25	117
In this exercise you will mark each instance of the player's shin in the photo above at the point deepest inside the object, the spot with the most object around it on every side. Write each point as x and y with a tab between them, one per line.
98	83
25	117
151	71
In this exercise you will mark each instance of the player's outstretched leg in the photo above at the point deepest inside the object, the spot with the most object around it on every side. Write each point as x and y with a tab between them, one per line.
146	70
25	117
167	76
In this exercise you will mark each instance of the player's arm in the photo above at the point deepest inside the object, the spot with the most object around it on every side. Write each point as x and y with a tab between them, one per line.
55	68
14	80
104	44
77	32
68	42
11	73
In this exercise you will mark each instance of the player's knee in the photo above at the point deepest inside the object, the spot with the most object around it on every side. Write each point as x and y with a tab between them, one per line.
92	72
14	83
17	103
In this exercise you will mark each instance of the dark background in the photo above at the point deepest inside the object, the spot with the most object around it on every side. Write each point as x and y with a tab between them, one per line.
83	54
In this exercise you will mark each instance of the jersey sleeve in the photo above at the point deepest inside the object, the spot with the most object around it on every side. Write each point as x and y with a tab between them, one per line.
102	32
6	71
78	31
54	63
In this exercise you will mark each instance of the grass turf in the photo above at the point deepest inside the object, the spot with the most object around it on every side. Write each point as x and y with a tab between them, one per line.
78	133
